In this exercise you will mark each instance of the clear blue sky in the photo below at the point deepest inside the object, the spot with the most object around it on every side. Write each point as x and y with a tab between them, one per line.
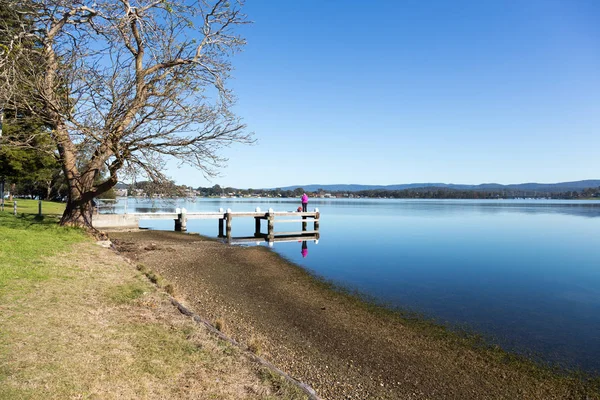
416	91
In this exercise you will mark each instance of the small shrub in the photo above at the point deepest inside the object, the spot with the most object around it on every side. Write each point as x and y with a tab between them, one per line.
255	345
142	268
170	289
155	278
220	324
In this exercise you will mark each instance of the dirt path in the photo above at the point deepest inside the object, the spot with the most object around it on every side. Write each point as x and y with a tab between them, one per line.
342	348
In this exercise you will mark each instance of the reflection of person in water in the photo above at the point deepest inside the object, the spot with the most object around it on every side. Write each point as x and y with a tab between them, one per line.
304	249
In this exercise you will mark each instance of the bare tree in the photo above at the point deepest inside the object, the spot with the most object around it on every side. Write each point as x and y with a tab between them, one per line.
126	84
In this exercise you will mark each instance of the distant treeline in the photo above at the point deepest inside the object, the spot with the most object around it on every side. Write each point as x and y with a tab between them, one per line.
217	190
417	193
171	189
445	193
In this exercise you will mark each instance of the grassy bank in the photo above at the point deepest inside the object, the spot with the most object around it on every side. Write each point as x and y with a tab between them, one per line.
27	207
78	321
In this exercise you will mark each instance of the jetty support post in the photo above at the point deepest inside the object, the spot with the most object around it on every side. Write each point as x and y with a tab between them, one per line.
177	220
181	221
221	224
304	223
221	227
228	217
316	219
257	224
271	224
183	218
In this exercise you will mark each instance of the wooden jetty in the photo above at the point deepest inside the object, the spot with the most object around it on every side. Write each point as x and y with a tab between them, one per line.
225	219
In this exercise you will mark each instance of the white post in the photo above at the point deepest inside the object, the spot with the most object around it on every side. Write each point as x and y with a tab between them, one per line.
183	219
228	224
270	226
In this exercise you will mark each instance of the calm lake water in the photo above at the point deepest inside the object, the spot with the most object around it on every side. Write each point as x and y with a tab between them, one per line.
526	274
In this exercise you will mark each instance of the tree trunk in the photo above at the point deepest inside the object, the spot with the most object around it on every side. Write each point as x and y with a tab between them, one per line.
48	189
81	206
78	213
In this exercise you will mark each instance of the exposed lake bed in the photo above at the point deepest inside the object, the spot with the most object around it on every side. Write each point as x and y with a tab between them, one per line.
342	347
522	273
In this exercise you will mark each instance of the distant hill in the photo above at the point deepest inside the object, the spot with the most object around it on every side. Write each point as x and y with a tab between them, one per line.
541	187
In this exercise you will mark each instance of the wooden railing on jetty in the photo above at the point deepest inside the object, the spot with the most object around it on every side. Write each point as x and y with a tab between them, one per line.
181	216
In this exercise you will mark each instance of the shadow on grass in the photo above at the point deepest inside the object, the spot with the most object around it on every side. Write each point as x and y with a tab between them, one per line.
23	220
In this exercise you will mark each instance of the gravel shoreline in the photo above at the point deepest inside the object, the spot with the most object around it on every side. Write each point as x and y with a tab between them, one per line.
340	347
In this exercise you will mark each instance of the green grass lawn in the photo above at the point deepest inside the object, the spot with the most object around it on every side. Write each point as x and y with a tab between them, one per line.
25	240
26	206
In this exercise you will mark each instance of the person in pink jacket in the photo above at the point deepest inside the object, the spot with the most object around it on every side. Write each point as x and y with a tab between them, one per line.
304	202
